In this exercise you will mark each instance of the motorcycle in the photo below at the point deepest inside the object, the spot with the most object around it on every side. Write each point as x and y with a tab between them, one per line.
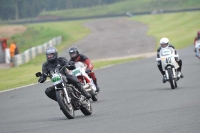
68	97
86	81
169	65
197	48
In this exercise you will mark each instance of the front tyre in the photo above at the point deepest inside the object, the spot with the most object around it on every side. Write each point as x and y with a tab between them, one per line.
171	79
66	108
86	109
175	84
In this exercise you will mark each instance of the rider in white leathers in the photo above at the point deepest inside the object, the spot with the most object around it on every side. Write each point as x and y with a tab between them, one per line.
164	43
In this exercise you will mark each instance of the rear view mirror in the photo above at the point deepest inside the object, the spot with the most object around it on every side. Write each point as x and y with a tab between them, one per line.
38	74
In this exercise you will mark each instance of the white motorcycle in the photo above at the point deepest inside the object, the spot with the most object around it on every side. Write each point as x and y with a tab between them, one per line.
169	65
197	48
83	77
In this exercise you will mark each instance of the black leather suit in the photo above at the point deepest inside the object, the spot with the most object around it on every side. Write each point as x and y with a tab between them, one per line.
59	62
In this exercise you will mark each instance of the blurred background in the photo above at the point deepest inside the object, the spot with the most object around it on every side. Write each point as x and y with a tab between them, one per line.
34	24
46	10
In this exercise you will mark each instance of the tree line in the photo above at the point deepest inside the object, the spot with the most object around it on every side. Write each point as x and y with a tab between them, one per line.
20	9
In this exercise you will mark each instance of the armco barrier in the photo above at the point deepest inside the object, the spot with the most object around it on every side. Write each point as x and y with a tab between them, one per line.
31	53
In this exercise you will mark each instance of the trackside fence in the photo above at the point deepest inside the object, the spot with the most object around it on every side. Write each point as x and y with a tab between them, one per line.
31	53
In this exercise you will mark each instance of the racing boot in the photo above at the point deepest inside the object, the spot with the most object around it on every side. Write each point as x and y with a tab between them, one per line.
85	93
179	69
82	90
164	79
180	74
95	82
79	86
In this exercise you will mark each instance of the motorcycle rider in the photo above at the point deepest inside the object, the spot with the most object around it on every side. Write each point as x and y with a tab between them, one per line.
76	56
196	39
164	43
54	61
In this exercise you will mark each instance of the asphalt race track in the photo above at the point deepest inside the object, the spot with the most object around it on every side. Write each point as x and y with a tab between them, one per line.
133	99
114	38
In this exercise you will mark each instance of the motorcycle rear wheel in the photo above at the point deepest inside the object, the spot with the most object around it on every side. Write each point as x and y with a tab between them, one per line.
86	110
66	108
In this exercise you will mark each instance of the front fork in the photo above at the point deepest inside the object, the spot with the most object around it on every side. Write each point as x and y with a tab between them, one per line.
174	73
66	93
167	75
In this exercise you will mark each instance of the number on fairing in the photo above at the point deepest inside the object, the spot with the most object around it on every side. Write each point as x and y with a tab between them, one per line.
168	60
77	71
56	78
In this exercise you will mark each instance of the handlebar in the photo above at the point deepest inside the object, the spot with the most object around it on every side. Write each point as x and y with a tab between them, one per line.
63	67
39	74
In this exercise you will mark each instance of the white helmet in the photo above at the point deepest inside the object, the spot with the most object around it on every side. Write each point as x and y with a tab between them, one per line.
164	42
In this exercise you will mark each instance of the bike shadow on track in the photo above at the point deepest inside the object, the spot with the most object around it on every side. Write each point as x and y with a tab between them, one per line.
58	118
168	88
161	89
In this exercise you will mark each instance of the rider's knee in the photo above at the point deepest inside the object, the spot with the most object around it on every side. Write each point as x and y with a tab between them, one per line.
158	63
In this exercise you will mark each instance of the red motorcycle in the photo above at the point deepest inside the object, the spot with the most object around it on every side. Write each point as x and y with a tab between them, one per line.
86	81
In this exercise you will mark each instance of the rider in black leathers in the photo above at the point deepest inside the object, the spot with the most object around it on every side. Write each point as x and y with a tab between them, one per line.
54	61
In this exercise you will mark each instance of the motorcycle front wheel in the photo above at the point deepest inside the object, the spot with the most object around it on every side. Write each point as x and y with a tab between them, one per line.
171	80
66	108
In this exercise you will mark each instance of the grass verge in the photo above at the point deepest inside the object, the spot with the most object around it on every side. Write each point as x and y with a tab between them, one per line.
25	74
38	34
124	6
71	32
100	64
180	28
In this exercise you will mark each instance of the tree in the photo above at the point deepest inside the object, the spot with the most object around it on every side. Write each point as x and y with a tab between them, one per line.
16	9
19	9
69	4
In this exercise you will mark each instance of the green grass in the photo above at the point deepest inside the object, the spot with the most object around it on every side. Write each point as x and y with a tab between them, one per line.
122	7
25	74
71	32
37	34
100	64
19	76
180	28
